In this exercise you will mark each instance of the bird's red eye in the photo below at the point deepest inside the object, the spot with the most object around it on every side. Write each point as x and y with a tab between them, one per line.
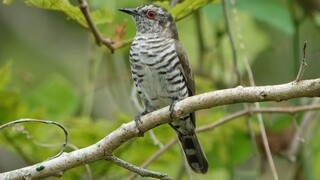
151	14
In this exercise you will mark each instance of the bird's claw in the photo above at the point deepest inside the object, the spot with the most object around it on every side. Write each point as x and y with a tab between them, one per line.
171	108
137	120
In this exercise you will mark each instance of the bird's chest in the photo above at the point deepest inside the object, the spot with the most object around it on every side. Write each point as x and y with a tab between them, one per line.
152	68
154	82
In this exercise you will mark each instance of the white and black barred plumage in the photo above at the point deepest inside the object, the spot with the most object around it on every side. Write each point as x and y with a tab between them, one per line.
162	74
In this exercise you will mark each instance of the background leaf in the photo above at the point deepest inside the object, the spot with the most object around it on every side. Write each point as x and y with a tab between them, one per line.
72	12
272	12
57	95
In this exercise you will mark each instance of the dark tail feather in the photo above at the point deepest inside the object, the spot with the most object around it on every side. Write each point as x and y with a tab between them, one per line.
193	152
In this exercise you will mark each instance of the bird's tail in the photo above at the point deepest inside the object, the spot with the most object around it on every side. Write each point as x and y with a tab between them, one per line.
193	152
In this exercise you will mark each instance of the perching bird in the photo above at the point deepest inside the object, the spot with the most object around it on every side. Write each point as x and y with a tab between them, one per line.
162	74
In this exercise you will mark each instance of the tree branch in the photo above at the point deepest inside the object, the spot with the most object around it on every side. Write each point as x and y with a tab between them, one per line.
142	172
104	148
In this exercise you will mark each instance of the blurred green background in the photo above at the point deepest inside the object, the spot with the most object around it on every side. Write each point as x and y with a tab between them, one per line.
50	68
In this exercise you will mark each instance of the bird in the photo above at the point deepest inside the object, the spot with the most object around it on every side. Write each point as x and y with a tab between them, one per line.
163	76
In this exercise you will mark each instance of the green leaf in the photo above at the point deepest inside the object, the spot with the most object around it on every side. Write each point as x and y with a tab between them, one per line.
72	12
56	95
185	8
271	12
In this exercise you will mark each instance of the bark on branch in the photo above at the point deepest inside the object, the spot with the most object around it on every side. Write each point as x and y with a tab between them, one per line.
104	148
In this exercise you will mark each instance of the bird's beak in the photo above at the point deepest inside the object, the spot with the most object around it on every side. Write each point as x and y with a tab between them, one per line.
128	11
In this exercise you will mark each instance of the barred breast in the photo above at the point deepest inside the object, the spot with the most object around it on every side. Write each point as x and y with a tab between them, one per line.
157	71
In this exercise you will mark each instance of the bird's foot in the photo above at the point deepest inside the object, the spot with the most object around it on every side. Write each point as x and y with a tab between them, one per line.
137	120
171	108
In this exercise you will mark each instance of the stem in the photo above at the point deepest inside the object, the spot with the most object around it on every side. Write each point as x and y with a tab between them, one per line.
201	46
233	48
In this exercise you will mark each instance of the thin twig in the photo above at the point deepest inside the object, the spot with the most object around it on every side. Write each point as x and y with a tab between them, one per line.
296	21
155	156
155	140
283	110
98	37
86	13
248	68
266	144
296	142
17	148
201	45
186	167
252	134
142	172
22	130
233	48
65	131
256	104
303	64
243	48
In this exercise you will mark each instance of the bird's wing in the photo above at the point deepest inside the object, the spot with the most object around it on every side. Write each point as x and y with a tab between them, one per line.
187	72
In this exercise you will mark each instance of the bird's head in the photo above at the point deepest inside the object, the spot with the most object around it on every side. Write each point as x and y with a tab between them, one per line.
153	19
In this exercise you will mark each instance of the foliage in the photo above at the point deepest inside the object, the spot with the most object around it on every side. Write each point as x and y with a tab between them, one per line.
54	73
279	18
73	12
